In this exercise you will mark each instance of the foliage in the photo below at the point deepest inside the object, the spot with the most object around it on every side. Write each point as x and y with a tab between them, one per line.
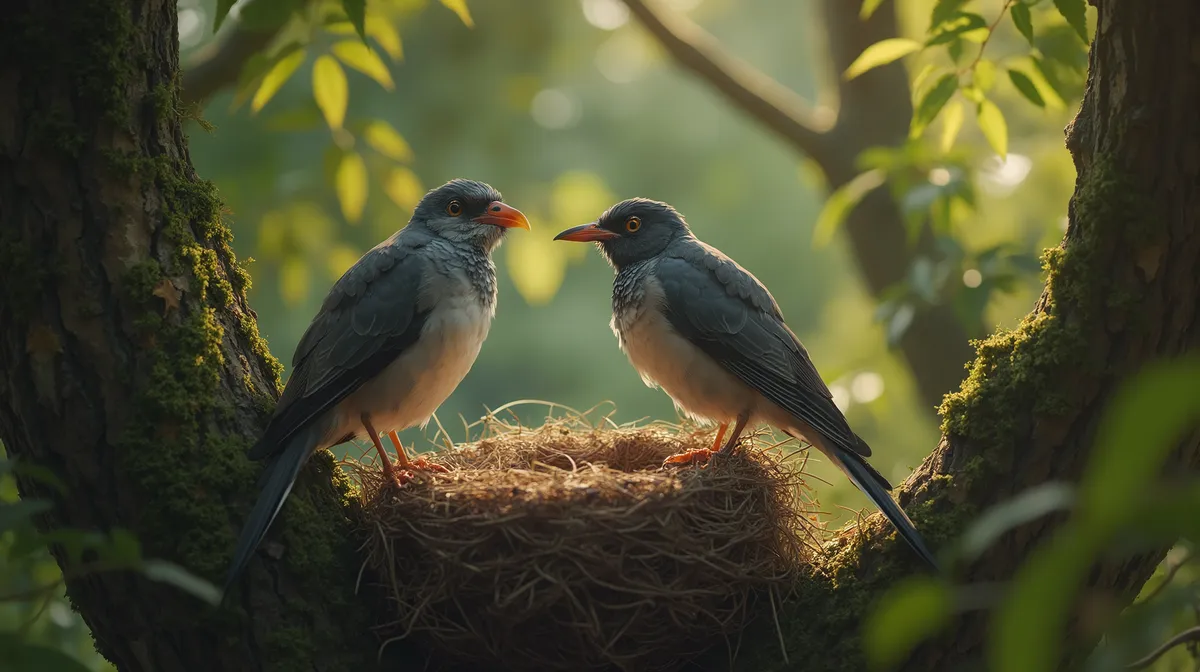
1122	505
38	631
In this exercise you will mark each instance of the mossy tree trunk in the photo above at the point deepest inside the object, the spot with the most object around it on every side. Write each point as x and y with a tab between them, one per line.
1123	289
130	363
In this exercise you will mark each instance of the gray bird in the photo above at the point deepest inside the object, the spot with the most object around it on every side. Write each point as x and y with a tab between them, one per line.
394	337
705	330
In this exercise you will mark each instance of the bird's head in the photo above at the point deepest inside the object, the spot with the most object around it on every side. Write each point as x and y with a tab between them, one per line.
631	231
465	211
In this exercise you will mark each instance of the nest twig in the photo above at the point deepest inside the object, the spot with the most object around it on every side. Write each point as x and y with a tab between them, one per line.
569	548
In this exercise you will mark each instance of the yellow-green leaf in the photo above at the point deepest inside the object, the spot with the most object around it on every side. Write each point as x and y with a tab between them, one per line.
384	139
340	259
379	28
351	186
404	188
1045	89
459	7
933	102
536	265
868	8
841	202
952	121
275	78
991	123
1022	20
293	281
330	90
985	74
881	53
1026	87
360	57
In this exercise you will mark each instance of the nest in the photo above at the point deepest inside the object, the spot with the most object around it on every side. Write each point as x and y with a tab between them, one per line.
570	548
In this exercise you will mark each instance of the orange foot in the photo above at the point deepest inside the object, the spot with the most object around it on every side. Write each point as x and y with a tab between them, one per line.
698	455
408	472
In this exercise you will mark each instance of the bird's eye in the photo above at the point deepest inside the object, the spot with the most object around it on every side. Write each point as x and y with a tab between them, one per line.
633	224
454	208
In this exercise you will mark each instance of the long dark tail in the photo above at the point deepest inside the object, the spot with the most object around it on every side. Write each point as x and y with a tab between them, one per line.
274	485
875	486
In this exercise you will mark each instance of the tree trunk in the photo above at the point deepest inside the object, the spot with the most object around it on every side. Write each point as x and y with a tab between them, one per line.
130	362
131	365
1122	290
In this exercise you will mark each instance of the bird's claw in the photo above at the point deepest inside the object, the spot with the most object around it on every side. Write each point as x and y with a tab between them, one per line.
701	455
406	474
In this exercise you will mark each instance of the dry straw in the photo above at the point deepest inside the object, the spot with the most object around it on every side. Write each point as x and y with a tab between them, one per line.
567	547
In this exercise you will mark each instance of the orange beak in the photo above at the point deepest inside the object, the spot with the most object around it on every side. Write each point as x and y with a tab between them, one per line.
502	215
587	233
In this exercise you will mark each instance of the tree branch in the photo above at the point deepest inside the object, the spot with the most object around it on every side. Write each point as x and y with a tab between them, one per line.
758	95
1185	637
874	112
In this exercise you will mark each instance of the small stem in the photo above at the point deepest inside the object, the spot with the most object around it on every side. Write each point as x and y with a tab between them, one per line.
991	30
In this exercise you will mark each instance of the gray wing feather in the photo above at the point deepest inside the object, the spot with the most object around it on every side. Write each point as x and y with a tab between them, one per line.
371	315
726	312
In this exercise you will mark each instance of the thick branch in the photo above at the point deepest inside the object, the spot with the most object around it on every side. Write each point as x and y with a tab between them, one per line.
875	111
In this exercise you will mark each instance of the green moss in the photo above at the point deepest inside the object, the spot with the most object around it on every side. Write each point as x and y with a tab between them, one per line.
23	274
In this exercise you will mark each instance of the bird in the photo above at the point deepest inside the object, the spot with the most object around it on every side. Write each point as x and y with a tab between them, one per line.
695	323
392	340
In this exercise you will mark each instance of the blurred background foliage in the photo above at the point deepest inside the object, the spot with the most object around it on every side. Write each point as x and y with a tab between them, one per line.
321	145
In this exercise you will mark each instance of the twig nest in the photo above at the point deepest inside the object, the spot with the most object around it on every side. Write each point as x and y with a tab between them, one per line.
569	548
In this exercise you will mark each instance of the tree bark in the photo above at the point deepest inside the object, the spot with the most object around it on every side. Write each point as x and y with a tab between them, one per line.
131	363
131	366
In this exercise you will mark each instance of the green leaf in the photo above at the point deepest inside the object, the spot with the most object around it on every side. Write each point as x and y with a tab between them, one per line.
17	513
223	7
991	122
351	186
962	22
123	549
881	53
1025	507
384	139
984	74
275	78
356	11
293	281
841	202
18	654
952	121
943	11
330	90
932	103
1023	20
459	7
1047	90
403	187
868	8
1075	12
264	15
1026	87
907	614
360	57
169	573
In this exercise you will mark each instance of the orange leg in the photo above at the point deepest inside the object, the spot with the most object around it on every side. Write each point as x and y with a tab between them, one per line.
387	463
413	465
699	454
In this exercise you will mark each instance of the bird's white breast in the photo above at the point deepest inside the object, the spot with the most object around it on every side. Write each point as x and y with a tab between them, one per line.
693	380
411	388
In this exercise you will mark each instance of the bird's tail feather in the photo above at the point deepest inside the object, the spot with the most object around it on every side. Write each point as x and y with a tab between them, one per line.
872	483
275	485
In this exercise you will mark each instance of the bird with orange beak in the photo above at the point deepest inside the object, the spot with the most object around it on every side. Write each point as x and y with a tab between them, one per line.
394	337
705	330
